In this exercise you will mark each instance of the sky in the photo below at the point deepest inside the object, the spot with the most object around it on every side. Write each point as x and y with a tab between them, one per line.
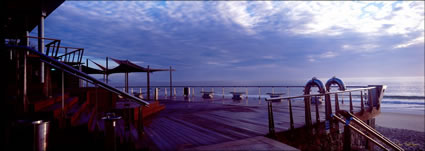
247	41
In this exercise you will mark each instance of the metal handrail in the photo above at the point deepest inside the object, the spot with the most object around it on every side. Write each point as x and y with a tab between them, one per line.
369	129
54	44
237	86
79	57
71	70
41	38
360	132
320	94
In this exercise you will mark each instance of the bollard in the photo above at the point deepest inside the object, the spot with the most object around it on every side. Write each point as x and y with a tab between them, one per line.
41	132
156	94
193	92
110	124
186	91
246	91
165	91
174	92
222	89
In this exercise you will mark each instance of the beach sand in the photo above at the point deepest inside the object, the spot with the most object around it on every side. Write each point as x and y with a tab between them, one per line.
401	121
407	130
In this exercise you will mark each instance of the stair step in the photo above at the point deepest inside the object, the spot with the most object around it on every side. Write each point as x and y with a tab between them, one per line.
43	103
56	108
76	114
92	121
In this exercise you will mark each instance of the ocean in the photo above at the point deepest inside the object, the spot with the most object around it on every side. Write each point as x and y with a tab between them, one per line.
403	94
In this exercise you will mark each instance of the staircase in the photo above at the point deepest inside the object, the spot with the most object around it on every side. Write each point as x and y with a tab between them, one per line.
75	115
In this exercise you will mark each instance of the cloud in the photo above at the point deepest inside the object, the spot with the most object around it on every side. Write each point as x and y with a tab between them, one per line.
362	48
335	18
328	54
419	40
324	55
202	37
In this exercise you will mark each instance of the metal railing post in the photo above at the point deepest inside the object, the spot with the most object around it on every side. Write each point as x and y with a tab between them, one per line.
271	118
63	94
291	117
317	109
336	103
328	112
347	135
307	102
361	101
259	92
351	103
336	110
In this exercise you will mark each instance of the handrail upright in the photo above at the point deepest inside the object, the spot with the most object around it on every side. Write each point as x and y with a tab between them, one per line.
351	103
361	101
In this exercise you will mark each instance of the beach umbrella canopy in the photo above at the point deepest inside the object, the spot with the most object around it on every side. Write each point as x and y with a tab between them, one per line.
125	66
90	70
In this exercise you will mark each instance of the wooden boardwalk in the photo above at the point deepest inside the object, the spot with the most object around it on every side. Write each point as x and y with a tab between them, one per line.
197	122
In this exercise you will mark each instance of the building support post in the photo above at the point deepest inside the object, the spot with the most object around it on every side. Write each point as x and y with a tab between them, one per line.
126	82
41	41
25	89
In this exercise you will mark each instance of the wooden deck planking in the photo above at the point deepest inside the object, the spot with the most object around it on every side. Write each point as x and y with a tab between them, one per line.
185	124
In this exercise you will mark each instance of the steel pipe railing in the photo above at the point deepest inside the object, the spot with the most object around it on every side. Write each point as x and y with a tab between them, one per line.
74	72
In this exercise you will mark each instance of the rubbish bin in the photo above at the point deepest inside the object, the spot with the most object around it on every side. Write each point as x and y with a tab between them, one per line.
27	134
41	133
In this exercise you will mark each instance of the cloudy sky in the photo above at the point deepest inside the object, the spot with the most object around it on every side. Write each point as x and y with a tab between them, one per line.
245	41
